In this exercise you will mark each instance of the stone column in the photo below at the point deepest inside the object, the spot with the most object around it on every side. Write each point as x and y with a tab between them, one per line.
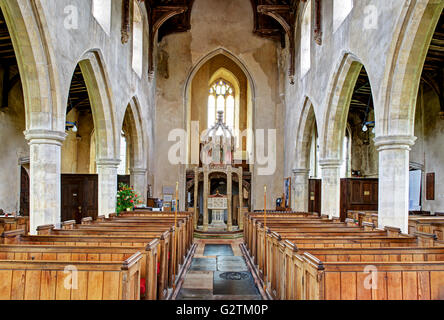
331	187
139	182
230	198
196	198
300	187
394	161
107	170
205	199
45	180
240	218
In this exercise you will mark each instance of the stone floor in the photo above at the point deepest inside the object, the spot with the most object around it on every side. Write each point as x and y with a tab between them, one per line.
218	272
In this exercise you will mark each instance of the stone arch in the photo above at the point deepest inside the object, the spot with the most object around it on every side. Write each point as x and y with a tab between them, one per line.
304	132
204	60
102	105
40	84
134	120
338	103
406	60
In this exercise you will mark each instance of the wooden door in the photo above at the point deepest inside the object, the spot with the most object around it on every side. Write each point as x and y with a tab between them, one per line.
24	192
358	194
314	195
79	197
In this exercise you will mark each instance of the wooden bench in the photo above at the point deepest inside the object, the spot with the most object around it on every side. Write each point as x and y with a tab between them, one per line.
163	248
294	258
47	280
149	261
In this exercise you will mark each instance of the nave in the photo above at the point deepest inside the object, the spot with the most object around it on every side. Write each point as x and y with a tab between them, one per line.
142	255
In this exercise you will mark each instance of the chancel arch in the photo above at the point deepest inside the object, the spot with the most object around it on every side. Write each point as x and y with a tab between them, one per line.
220	65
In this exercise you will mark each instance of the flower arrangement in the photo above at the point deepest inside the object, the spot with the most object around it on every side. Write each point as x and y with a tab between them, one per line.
127	198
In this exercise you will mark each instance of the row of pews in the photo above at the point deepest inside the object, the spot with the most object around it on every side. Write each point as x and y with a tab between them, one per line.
14	223
417	223
299	256
133	256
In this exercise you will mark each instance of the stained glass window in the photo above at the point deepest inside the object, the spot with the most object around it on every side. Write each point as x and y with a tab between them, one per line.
221	98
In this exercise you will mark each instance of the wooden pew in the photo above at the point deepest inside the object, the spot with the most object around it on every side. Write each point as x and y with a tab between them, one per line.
148	262
393	281
46	280
163	247
291	259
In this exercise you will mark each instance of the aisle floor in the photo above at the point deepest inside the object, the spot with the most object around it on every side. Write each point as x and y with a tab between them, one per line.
218	272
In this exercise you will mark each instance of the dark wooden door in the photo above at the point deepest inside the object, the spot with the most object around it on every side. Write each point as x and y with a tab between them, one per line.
79	197
24	192
358	194
314	195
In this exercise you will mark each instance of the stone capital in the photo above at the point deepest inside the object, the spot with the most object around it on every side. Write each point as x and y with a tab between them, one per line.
394	142
40	136
112	163
301	172
138	171
330	163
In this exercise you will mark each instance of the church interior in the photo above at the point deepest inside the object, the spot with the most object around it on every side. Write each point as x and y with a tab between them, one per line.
221	150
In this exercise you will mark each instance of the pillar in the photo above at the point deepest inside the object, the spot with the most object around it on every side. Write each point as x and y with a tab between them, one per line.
394	158
331	187
300	189
139	182
205	199
107	170
230	198
45	180
196	196
240	217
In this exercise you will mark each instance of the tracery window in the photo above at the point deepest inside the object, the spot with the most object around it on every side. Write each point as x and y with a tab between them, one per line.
221	98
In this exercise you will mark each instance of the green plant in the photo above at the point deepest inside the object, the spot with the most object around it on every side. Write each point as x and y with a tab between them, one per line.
127	198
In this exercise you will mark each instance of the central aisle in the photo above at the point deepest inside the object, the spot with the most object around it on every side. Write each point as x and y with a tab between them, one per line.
218	272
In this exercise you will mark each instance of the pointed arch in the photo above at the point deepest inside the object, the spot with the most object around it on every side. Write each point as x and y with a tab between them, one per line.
338	104
406	60
208	57
40	85
132	119
307	124
102	105
251	87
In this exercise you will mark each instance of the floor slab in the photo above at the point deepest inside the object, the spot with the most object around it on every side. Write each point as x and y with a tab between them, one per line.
204	264
240	283
198	280
218	250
